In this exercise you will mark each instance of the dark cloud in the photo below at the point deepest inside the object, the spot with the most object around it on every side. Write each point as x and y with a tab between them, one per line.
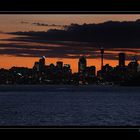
45	24
39	24
51	50
24	22
79	39
111	34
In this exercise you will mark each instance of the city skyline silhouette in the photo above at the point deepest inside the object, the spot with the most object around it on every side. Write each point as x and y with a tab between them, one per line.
61	73
25	38
70	70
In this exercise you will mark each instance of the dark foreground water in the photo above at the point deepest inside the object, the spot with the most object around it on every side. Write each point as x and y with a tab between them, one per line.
69	105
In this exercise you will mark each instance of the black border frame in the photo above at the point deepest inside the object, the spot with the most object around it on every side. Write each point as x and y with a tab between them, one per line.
70	128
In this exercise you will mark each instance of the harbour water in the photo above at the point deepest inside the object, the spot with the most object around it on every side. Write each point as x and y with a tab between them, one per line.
60	105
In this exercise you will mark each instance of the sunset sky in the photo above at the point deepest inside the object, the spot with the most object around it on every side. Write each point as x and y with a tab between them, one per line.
13	22
11	49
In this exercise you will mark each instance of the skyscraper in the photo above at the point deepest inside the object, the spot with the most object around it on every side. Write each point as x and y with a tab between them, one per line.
121	59
36	66
59	64
82	64
133	65
42	63
91	71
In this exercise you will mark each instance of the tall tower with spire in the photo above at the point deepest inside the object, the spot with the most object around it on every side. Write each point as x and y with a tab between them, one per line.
102	56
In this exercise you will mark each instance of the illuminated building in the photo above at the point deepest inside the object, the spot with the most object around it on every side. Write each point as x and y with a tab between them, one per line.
42	64
59	64
133	65
82	64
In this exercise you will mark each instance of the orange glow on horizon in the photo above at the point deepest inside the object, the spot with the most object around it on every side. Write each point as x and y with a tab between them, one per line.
10	61
12	23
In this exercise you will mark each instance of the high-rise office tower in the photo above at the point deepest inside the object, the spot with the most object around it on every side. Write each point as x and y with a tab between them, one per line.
59	64
82	64
91	71
42	63
121	59
36	66
133	65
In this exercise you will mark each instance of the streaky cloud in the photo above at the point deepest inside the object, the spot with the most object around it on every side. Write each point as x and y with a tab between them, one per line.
113	34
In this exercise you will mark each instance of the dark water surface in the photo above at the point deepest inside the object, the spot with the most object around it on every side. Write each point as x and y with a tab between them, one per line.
69	105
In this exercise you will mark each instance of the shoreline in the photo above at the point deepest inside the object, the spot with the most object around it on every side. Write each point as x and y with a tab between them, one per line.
67	88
